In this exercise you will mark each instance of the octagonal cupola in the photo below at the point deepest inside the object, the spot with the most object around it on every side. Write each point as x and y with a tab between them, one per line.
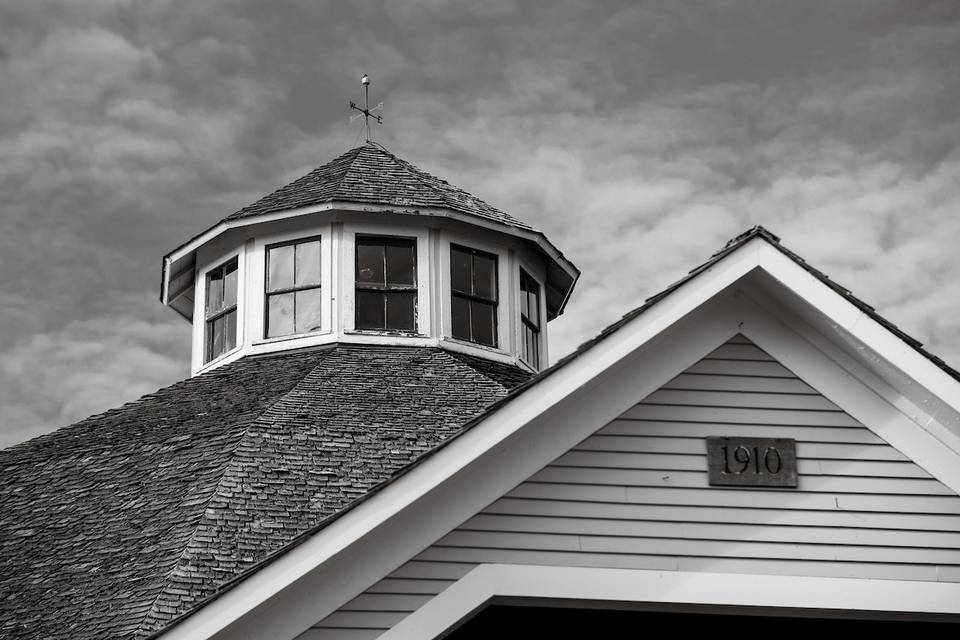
368	249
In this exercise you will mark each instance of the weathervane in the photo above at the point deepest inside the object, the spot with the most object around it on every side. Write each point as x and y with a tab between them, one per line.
366	112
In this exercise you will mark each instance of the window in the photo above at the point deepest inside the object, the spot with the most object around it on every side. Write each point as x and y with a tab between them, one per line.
530	319
293	288
221	310
386	297
473	290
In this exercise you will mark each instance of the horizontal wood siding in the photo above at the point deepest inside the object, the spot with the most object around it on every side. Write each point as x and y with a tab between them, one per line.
635	495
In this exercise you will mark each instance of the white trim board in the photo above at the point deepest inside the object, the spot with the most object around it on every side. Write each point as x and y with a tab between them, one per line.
596	586
536	237
333	565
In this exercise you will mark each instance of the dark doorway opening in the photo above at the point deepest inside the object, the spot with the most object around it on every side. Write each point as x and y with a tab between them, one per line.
511	621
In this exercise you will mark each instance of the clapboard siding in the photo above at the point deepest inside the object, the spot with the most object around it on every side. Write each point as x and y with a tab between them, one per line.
635	495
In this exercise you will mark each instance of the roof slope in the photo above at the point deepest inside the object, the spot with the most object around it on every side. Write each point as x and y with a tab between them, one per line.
372	175
115	525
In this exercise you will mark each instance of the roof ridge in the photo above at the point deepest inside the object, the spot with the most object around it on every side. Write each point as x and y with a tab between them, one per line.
427	179
418	174
148	615
306	179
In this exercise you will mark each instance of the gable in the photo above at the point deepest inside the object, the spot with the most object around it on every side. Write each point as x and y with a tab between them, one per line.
634	494
752	287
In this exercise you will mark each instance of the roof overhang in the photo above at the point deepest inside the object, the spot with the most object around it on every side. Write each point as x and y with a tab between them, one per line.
593	587
562	274
755	289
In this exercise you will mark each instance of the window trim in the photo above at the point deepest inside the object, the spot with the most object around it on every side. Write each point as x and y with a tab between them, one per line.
266	293
387	239
505	351
525	322
257	277
198	352
209	318
346	313
472	297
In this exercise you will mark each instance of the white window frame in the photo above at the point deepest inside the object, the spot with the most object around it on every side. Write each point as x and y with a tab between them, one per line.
200	306
538	276
348	261
258	290
506	304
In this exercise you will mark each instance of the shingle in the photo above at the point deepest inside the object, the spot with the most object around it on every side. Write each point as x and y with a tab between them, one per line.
115	525
372	175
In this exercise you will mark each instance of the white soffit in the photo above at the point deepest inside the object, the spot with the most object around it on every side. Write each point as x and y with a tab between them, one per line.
586	585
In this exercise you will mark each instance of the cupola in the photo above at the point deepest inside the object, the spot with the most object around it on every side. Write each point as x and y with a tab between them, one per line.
369	249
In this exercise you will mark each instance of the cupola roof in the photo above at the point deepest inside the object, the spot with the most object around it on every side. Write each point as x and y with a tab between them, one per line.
372	175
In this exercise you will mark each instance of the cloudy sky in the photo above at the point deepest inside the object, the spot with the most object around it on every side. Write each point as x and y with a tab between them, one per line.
639	136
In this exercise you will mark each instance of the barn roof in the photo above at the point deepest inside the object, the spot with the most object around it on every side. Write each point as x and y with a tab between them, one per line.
117	524
127	521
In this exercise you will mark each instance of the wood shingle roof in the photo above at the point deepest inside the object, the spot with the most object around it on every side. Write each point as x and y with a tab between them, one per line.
117	524
372	175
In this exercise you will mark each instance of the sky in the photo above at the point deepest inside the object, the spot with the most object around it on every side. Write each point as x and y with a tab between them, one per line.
640	136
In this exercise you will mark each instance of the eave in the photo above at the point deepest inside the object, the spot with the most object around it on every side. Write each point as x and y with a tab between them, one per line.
562	273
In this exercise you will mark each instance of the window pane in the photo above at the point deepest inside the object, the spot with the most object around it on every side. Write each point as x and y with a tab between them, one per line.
531	347
460	271
533	305
308	263
370	310
370	263
281	268
482	319
230	331
279	315
484	277
460	317
307	310
214	291
230	286
400	310
216	337
400	264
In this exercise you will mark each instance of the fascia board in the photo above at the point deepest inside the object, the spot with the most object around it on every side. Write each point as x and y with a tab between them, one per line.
860	325
535	237
821	365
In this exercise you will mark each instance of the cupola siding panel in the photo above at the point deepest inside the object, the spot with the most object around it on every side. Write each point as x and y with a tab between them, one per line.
635	495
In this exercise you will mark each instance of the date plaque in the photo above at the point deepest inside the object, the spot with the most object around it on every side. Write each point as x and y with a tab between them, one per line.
752	462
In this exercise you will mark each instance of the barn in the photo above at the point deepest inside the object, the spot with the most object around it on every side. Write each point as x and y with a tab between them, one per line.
374	443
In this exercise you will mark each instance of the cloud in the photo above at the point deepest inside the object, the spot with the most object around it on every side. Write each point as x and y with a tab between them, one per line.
89	366
639	136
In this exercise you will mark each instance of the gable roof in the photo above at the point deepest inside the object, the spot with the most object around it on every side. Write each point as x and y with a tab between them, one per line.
372	175
739	241
117	524
550	395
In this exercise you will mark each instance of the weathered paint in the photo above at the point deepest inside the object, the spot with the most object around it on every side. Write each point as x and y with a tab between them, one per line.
635	495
